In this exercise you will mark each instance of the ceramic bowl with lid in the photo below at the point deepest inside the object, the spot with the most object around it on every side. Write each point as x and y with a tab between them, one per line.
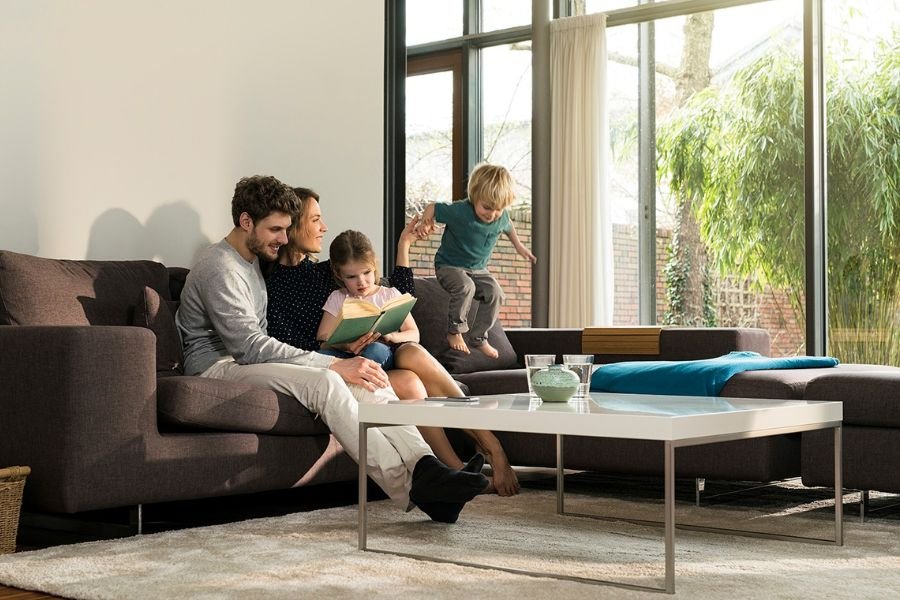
555	383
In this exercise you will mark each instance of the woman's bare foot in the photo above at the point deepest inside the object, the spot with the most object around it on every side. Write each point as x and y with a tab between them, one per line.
504	480
488	350
457	342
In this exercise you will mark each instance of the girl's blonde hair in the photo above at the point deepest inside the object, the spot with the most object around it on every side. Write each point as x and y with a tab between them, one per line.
491	185
351	246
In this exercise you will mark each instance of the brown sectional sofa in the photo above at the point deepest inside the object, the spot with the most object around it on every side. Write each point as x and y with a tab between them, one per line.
92	403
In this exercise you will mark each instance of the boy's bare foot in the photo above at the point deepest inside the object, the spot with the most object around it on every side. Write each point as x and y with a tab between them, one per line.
488	350
457	342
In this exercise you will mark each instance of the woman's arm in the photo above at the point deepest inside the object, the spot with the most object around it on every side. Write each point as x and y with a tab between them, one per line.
402	275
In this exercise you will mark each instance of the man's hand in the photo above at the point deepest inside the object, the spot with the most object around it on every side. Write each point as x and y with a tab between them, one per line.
361	371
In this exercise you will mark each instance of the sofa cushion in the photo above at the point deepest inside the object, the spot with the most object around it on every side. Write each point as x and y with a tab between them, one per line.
205	403
43	291
430	313
870	394
783	384
158	315
776	384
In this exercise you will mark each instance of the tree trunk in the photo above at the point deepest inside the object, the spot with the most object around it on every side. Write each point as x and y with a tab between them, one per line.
689	282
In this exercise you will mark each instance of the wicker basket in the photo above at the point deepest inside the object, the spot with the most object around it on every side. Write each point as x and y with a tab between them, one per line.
12	482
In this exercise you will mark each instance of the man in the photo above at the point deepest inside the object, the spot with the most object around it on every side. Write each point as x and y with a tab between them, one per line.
222	319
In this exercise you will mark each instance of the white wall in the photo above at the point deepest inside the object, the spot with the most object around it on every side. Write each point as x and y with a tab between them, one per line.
125	124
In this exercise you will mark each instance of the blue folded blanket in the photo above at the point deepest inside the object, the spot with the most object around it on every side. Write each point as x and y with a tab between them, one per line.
692	377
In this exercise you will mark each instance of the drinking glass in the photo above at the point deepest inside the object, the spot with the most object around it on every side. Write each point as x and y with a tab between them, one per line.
581	364
533	364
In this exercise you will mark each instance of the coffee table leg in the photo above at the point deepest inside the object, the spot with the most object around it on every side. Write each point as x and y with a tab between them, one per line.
560	479
838	489
670	517
363	485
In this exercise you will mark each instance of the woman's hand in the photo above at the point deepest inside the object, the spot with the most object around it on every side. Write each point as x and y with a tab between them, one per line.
409	234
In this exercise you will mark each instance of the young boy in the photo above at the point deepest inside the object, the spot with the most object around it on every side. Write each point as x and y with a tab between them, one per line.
472	228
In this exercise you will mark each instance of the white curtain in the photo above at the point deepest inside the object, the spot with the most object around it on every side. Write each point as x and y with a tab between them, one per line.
581	267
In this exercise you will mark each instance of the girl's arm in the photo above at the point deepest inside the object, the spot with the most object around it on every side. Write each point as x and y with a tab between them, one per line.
326	326
521	249
409	332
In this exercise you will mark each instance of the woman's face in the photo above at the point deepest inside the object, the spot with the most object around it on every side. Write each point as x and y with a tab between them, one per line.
307	235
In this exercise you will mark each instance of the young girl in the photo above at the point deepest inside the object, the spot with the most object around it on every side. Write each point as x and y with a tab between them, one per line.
355	267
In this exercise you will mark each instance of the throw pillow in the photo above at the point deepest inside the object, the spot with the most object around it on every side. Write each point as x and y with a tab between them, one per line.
158	316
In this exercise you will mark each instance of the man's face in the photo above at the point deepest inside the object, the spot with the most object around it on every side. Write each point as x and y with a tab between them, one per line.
307	236
268	235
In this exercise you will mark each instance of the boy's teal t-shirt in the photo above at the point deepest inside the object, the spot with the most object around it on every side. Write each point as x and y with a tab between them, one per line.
467	242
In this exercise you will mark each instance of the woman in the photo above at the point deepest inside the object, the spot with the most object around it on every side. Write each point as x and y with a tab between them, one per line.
298	286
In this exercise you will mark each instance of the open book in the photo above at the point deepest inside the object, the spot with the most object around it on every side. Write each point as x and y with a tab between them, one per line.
359	317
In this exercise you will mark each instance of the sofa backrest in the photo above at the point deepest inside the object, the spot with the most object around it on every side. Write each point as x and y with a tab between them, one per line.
44	291
430	313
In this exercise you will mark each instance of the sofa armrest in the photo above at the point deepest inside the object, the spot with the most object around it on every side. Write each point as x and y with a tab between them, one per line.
77	402
533	340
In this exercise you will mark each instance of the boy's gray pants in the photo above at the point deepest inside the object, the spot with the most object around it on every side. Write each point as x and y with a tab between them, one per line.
464	285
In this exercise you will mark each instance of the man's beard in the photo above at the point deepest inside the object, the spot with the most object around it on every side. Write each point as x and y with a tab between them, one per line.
257	247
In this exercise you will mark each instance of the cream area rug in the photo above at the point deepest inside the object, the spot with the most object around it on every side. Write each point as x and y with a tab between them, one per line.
314	555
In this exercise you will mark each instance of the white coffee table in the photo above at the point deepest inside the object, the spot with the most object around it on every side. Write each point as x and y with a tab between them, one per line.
675	420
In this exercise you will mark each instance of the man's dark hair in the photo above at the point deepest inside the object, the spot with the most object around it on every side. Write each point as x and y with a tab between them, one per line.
261	195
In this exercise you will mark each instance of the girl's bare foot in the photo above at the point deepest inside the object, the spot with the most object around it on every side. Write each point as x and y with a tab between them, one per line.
488	350
457	342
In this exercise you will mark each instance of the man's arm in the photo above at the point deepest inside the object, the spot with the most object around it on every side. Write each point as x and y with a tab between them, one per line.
520	248
228	302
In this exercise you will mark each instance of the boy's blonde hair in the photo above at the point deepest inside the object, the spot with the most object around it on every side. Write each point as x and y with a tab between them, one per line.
492	185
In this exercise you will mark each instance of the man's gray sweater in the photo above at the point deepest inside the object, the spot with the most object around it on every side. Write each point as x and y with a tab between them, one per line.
223	314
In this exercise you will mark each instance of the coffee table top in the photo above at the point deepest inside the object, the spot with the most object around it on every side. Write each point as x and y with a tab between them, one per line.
633	416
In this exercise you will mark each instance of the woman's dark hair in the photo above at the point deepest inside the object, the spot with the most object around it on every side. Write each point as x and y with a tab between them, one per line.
261	195
304	193
351	246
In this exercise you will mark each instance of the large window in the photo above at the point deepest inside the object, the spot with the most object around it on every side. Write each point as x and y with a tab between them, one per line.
713	122
719	118
863	132
468	100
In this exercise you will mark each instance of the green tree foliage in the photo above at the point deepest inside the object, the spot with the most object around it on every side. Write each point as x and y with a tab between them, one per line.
738	149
